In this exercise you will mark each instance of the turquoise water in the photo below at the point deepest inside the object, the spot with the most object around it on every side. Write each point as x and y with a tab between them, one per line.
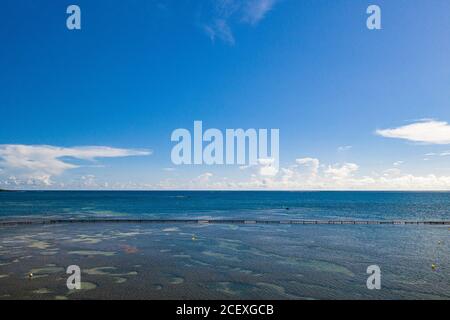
224	261
262	205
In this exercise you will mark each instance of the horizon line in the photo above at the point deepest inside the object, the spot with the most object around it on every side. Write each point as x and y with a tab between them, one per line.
218	190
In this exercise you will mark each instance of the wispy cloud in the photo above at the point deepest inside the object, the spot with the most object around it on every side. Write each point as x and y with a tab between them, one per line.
344	148
219	28
426	131
440	154
255	10
225	13
41	162
203	178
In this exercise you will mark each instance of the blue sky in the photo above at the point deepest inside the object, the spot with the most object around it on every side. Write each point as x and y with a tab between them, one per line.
137	70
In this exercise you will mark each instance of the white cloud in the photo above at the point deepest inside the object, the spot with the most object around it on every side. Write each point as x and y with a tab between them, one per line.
220	29
203	178
441	154
344	148
89	181
427	131
226	13
397	163
36	164
263	167
255	10
305	175
309	174
341	171
267	167
393	172
311	163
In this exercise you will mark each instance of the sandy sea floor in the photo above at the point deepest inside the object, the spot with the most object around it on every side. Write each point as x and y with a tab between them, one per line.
180	261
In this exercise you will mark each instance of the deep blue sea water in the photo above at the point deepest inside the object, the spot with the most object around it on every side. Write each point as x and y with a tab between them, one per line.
129	260
200	204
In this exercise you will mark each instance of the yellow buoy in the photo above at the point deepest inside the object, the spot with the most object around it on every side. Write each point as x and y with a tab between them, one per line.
433	266
30	275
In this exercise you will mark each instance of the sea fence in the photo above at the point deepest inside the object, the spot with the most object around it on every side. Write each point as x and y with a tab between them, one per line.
227	221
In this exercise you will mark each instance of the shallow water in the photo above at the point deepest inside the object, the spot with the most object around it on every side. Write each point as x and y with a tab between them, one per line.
131	261
224	261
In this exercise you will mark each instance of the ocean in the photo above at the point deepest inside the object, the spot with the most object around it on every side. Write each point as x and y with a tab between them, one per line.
123	257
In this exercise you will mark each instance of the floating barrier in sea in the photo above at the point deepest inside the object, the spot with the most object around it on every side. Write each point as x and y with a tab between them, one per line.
228	221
